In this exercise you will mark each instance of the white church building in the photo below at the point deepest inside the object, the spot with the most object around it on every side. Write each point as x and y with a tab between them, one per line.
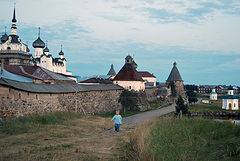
230	101
213	95
44	59
14	52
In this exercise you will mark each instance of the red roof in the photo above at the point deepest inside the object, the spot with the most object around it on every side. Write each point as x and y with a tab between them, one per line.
128	73
34	72
146	74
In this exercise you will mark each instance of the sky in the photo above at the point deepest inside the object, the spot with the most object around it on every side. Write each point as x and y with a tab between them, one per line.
202	36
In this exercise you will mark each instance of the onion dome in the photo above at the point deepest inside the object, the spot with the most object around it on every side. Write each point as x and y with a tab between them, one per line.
46	49
38	43
4	38
61	52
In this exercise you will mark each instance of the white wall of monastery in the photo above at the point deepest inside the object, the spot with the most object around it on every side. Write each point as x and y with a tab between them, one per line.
13	46
150	79
131	85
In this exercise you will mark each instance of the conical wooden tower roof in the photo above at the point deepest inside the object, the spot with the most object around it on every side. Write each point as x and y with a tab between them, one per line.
174	75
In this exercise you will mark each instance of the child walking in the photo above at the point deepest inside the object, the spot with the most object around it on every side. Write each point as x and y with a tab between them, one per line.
118	121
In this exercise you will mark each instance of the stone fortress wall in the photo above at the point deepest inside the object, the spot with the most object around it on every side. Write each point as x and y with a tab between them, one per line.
15	103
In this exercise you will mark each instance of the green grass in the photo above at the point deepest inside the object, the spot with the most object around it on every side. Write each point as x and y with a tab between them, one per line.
24	124
205	108
184	139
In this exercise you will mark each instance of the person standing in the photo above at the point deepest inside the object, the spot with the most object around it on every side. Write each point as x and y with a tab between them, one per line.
118	121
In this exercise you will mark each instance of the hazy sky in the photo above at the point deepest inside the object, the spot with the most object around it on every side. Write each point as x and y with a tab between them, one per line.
202	36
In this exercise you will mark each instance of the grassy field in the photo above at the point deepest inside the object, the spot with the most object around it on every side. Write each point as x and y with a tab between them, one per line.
214	106
61	136
184	139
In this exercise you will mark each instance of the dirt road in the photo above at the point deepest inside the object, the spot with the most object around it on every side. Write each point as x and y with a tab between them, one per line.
138	118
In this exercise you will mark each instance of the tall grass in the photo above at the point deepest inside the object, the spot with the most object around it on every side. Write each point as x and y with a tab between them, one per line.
184	139
25	124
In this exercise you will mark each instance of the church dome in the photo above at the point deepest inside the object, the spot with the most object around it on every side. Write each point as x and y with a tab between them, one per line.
38	43
4	38
61	53
46	49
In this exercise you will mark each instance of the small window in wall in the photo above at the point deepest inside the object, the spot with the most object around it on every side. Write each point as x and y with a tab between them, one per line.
130	87
36	96
19	95
8	48
234	105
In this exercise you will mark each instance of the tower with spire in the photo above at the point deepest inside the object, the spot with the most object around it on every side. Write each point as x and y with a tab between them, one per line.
12	50
175	82
111	71
14	23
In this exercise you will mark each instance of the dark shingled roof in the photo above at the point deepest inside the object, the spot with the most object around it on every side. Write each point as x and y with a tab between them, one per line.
174	75
35	72
97	80
111	71
146	74
128	73
59	87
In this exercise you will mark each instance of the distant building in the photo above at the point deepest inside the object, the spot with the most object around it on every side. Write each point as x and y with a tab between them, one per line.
150	79
230	101
213	95
128	77
175	82
206	89
111	71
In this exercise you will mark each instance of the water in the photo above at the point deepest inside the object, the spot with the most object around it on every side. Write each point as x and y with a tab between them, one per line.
237	122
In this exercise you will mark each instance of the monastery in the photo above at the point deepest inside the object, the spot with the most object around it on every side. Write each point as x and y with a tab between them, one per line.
14	52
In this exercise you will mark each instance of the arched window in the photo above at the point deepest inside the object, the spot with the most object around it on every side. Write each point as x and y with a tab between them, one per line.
8	48
230	106
234	105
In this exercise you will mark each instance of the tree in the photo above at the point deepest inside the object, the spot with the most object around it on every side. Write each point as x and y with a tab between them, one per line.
192	97
181	108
